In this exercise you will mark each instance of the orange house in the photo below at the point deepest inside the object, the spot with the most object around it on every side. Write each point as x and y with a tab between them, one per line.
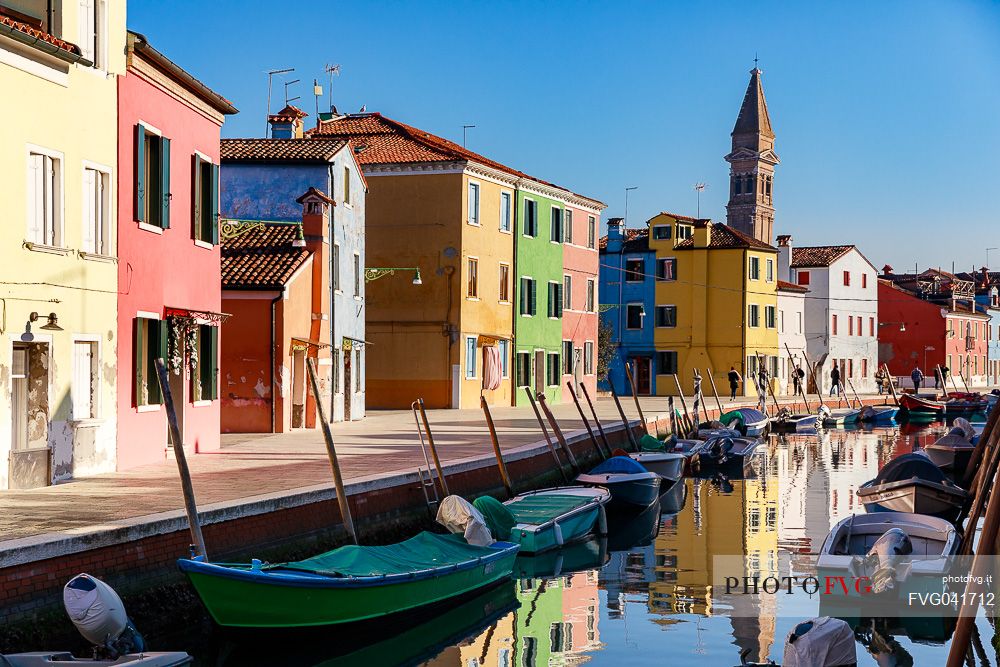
275	286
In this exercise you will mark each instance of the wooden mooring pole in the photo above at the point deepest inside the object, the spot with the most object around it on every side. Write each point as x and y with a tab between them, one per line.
628	429
689	425
190	505
892	385
593	411
548	438
430	445
558	431
635	397
504	475
715	391
583	416
331	451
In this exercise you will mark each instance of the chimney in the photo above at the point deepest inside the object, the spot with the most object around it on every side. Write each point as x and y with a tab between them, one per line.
615	237
287	123
702	233
315	216
887	270
785	257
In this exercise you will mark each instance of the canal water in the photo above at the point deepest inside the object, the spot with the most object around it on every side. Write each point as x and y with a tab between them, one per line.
645	595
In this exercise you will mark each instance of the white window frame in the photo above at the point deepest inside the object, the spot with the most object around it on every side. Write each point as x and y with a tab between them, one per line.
753	308
471	219
552	211
591	304
642	273
509	212
774	310
96	407
359	275
335	261
669	229
642	317
524	220
567	222
769	270
500	268
520	283
549	303
147	315
753	268
588	358
58	200
100	55
109	205
563	359
567	297
592	232
468	267
503	347
475	352
149	129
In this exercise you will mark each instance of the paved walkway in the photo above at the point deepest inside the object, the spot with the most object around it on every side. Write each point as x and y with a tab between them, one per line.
385	442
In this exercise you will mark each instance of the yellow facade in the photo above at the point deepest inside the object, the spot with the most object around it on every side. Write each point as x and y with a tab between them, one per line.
716	292
420	333
60	121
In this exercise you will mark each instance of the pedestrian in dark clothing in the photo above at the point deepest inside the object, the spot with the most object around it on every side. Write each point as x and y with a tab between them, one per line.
937	377
918	379
797	377
734	382
835	380
945	371
880	378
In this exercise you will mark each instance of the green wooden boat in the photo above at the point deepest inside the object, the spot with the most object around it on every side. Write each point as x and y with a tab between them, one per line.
547	519
349	584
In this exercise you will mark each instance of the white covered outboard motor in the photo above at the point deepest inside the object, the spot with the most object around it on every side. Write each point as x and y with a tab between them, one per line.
962	427
823	412
883	558
820	642
99	615
460	517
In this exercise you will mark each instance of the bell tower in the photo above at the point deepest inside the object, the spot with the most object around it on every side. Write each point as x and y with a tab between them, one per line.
751	166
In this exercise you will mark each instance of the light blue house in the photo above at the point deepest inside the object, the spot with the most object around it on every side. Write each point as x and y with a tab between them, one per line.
627	295
261	179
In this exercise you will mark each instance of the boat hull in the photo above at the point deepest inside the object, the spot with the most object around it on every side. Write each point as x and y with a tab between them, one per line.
243	598
633	491
879	414
567	527
915	496
841	417
795	424
953	459
669	466
56	658
921	409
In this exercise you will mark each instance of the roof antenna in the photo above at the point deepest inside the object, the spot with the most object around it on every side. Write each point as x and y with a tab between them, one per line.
465	128
290	99
332	71
699	188
270	74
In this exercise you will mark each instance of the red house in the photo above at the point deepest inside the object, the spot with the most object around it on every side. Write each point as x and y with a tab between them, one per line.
170	297
916	332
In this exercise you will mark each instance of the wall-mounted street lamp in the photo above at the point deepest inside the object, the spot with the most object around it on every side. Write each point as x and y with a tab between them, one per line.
902	325
376	272
51	325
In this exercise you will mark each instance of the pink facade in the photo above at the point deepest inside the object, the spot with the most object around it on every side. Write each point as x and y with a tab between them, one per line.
580	267
164	272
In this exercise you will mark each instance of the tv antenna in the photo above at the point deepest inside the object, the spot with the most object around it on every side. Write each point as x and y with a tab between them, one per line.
332	70
287	98
465	128
699	188
270	75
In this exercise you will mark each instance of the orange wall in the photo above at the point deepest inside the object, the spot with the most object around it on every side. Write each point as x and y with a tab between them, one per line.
245	379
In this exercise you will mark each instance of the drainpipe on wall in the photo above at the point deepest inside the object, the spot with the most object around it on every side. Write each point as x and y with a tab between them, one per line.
274	303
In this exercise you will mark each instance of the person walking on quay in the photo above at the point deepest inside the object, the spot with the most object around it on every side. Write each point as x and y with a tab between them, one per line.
937	377
918	379
797	376
944	378
880	378
835	380
734	382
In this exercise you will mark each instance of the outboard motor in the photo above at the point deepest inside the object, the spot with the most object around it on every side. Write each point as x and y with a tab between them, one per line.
824	412
460	517
718	450
884	556
962	428
820	642
99	615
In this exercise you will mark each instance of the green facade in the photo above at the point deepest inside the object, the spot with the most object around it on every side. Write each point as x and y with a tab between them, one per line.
541	631
537	335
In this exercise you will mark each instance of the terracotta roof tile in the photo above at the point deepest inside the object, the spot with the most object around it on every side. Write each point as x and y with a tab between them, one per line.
262	257
291	150
791	287
288	114
725	237
28	29
821	255
377	139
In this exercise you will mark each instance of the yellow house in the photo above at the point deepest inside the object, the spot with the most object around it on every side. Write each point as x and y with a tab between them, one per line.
59	64
434	206
715	303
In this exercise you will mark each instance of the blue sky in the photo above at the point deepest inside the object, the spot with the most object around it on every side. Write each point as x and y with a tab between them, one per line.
887	114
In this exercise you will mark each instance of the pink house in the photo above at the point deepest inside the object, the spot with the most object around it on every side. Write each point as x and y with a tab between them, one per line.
580	268
168	254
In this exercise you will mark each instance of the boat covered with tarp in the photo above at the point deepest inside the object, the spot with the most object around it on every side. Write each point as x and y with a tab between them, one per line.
546	519
348	584
913	483
631	485
878	414
748	421
953	451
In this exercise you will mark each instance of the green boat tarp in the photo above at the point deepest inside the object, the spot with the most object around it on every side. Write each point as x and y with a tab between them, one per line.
421	552
648	443
498	517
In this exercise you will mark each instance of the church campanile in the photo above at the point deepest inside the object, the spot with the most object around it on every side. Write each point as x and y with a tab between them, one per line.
751	166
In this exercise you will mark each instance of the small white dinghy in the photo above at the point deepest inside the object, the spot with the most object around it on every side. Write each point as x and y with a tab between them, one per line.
668	465
890	549
99	615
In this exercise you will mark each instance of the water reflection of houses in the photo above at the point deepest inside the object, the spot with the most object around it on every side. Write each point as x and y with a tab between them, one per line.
556	625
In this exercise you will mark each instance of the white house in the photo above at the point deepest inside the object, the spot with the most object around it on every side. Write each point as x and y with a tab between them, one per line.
791	333
841	311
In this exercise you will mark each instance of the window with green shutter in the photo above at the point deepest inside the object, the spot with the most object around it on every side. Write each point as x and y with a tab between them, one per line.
152	178
205	200
150	343
528	295
206	382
